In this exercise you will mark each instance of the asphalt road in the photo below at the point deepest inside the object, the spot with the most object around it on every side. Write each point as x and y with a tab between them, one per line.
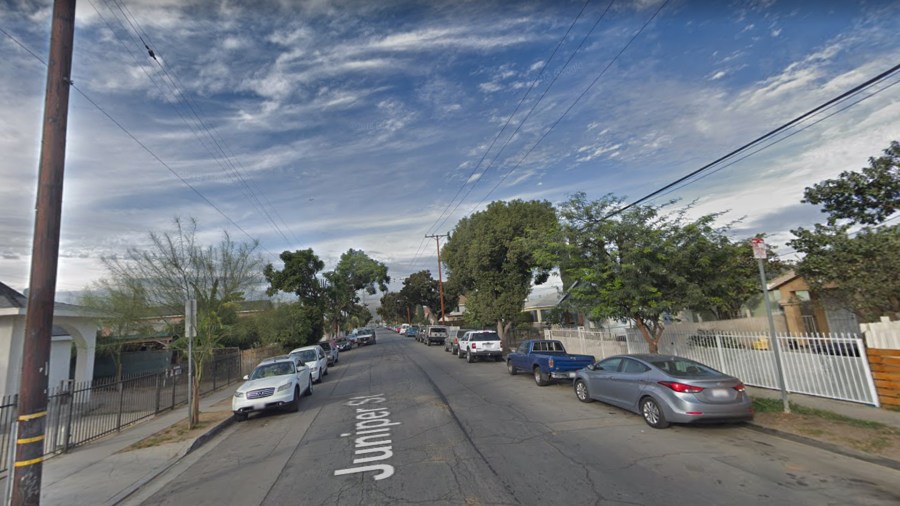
427	428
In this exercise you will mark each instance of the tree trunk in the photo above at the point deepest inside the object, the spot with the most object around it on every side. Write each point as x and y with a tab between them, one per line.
503	331
651	334
194	419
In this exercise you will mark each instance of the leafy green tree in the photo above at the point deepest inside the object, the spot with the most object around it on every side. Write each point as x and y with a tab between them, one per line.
393	307
289	325
867	197
123	307
642	264
859	269
334	294
299	276
491	257
355	272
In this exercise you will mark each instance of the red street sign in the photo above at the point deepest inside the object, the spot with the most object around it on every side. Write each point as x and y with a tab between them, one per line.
759	247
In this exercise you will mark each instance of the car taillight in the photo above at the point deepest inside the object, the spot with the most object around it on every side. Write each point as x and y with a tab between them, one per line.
681	387
739	387
473	346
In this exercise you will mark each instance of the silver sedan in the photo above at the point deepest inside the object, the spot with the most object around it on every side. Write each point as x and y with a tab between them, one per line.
664	389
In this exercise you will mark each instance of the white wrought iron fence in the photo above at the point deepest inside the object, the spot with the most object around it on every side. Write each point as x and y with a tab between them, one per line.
832	366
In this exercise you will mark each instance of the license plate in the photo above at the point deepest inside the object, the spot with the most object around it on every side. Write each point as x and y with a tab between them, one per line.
719	393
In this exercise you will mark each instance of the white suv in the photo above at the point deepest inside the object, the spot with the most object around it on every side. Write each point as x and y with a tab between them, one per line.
476	344
314	358
276	383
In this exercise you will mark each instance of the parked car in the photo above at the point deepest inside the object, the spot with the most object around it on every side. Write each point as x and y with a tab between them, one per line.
344	344
365	336
412	331
434	335
451	343
314	357
276	383
476	344
665	389
547	360
331	352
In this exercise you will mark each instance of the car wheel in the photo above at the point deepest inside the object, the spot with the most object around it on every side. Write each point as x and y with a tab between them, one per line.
309	386
240	417
294	406
511	368
540	378
652	414
581	391
459	354
470	358
326	371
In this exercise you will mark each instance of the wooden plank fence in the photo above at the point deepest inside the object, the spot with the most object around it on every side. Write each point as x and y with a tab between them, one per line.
885	365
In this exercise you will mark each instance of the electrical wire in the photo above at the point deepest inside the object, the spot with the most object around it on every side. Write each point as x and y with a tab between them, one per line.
142	145
767	146
571	106
758	140
225	161
437	223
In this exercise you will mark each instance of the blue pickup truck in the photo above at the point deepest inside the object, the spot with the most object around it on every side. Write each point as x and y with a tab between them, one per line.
547	360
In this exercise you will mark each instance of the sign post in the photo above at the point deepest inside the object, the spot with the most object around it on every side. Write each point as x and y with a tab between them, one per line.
759	253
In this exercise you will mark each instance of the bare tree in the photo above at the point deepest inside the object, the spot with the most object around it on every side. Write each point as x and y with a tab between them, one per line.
175	268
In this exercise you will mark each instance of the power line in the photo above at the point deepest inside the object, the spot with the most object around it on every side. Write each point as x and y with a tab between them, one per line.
575	102
437	223
217	150
767	146
534	107
762	138
142	145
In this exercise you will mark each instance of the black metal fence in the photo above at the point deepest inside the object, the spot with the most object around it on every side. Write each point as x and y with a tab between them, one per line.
80	412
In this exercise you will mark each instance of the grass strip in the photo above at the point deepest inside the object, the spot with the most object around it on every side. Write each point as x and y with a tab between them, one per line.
775	406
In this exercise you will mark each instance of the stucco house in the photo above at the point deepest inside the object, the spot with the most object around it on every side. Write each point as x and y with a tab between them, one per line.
74	332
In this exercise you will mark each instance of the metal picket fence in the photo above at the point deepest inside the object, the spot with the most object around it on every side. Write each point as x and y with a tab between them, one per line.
80	412
832	366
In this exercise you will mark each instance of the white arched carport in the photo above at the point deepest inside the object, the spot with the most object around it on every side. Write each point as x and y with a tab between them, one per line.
79	327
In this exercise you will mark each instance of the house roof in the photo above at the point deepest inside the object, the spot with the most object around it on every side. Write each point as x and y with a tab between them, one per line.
11	298
781	280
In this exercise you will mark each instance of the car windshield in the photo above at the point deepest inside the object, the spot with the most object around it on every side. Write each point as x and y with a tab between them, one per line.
325	346
683	368
306	355
485	336
271	370
438	329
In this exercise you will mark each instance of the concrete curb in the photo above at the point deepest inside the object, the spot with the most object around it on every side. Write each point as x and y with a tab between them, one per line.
196	444
831	447
208	435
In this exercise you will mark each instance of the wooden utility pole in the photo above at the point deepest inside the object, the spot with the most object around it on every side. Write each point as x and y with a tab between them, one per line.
437	239
32	405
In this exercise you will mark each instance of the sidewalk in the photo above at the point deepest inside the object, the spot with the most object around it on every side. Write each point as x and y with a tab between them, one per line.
97	474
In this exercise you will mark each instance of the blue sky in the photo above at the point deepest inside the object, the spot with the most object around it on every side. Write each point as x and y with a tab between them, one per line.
355	124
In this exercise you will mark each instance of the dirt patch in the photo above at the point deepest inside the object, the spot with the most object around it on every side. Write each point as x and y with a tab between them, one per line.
179	431
869	437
